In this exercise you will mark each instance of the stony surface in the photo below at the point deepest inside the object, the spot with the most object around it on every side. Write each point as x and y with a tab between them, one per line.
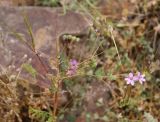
97	96
16	2
47	25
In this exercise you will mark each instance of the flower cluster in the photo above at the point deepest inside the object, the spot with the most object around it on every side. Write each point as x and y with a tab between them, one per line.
73	66
131	79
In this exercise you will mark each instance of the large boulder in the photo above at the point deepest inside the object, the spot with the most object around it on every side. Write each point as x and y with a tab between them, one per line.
16	2
47	25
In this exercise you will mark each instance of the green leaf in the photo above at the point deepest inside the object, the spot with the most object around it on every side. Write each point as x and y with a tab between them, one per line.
29	29
100	73
88	117
40	115
111	76
51	119
52	3
29	69
71	118
63	62
111	52
93	63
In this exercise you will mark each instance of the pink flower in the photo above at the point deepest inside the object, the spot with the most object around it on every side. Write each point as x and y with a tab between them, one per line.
140	78
131	79
73	66
71	72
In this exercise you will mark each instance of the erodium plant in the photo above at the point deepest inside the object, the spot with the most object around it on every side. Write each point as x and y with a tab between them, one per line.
131	80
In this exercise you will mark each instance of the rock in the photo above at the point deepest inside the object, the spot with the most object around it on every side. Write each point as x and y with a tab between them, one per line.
97	97
16	2
48	25
6	3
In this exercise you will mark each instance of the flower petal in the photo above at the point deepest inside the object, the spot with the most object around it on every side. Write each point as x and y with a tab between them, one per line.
139	74
142	79
135	78
130	75
132	83
128	82
126	79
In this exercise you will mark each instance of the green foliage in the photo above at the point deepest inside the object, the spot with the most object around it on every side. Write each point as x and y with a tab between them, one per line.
63	63
126	61
145	44
88	117
51	119
111	52
52	3
42	116
53	88
30	32
110	76
68	83
93	63
71	118
146	52
100	73
28	67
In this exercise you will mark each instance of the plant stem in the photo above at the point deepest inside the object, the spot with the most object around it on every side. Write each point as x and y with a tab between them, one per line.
111	32
127	94
58	81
